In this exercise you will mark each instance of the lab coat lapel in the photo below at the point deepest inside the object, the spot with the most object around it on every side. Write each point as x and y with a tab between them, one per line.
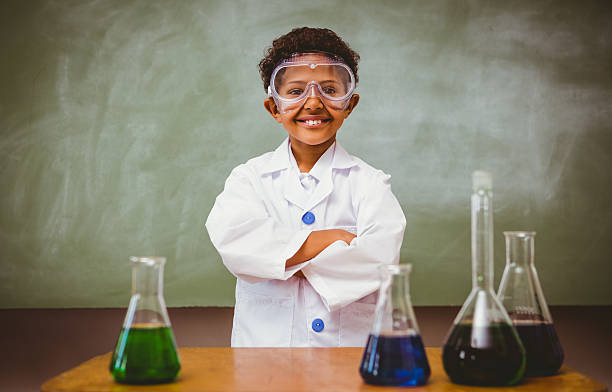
279	162
293	190
339	160
323	189
322	170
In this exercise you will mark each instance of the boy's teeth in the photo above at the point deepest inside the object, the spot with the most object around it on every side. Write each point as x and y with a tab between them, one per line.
313	122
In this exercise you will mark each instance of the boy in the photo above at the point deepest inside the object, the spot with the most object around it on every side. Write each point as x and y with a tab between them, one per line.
305	228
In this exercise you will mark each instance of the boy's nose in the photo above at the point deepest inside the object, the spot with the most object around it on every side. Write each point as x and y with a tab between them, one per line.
313	102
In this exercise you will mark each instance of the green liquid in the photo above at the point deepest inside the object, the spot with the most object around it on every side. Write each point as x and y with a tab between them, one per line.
145	355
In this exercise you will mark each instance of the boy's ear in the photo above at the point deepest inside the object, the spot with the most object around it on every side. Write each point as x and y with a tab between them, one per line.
352	103
271	107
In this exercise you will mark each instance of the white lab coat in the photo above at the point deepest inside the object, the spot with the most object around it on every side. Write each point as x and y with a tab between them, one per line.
256	225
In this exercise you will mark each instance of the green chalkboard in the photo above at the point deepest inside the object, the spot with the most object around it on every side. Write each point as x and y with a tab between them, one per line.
120	121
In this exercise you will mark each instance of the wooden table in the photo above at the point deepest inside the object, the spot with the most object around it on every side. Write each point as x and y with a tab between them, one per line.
287	369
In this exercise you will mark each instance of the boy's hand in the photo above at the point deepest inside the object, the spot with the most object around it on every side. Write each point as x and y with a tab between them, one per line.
316	242
347	236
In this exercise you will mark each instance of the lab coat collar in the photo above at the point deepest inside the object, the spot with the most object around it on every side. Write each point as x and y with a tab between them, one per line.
334	158
323	165
294	191
342	159
280	159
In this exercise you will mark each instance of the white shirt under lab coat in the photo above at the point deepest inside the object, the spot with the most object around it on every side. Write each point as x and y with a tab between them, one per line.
256	225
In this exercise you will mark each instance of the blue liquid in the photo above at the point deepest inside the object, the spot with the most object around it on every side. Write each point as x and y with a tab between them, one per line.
395	360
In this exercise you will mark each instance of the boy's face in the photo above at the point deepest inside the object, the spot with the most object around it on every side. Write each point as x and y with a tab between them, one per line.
312	123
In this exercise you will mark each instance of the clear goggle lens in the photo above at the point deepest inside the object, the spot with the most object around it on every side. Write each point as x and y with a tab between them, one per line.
292	84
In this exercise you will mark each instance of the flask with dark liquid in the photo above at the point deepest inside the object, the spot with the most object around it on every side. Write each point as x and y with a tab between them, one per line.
394	353
521	294
482	347
146	351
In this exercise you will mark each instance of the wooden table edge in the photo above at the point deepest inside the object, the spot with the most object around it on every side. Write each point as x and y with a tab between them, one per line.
598	387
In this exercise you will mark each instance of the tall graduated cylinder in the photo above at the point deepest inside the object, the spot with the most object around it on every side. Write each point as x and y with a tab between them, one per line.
482	347
522	296
394	353
146	351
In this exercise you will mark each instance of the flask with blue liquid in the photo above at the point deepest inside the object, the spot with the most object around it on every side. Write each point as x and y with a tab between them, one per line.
394	353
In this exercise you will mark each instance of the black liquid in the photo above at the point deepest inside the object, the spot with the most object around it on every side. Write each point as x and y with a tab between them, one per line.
544	352
485	356
395	360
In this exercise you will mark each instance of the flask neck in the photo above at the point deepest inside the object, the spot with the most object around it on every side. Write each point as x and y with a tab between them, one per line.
398	288
395	282
520	248
482	239
394	313
147	278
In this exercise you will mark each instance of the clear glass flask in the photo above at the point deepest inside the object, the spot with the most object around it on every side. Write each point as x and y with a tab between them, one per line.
521	294
482	347
146	351
394	353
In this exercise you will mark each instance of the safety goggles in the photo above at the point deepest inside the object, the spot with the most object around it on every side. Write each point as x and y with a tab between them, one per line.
307	75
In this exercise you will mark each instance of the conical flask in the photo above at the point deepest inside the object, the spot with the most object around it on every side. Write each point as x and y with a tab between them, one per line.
146	351
394	353
482	347
521	294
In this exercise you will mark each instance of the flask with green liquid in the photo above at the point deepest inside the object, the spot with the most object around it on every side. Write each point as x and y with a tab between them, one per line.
146	351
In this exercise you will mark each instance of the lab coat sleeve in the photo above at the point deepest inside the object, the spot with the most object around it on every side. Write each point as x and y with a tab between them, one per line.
343	273
253	245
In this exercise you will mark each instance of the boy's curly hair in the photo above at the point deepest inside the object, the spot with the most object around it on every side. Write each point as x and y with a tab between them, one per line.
305	39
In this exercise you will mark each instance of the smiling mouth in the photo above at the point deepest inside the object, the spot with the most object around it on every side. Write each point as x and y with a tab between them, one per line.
314	123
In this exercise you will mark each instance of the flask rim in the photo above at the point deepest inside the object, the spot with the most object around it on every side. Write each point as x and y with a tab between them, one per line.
520	233
396	268
148	260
